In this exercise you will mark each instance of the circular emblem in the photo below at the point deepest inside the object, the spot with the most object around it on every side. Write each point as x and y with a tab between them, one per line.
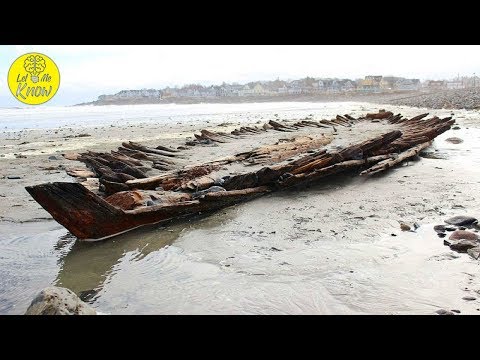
33	78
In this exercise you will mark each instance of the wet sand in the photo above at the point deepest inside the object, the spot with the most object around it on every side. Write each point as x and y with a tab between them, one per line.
327	249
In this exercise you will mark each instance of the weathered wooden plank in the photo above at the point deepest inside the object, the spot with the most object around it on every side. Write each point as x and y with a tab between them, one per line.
379	115
146	149
387	164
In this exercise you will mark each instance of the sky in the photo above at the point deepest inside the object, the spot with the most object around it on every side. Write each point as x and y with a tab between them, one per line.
88	71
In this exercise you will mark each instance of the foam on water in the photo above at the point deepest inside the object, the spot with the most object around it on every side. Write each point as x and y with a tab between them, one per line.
14	119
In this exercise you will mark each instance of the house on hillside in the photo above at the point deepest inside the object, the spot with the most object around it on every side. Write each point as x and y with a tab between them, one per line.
341	85
209	92
407	84
271	87
294	90
436	84
319	86
388	83
349	85
170	92
283	90
246	91
136	94
229	90
325	85
455	84
258	90
370	84
335	86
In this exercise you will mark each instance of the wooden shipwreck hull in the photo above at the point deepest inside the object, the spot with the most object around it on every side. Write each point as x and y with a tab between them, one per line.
120	193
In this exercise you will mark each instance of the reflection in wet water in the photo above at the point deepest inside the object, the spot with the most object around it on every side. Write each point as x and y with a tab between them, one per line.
28	258
87	265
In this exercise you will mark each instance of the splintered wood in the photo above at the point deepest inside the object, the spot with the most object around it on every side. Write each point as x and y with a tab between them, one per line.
140	184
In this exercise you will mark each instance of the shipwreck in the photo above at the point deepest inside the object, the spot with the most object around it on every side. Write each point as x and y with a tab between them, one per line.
136	185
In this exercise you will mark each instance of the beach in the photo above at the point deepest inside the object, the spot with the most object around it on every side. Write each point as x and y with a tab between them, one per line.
334	248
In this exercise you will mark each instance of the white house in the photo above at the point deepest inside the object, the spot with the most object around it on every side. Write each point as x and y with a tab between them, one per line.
294	91
283	90
246	91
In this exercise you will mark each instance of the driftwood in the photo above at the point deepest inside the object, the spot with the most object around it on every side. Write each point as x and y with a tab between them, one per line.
129	196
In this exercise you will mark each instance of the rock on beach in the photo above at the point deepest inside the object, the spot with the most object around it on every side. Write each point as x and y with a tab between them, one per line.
58	301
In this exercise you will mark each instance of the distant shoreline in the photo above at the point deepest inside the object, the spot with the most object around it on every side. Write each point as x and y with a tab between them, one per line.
438	99
369	97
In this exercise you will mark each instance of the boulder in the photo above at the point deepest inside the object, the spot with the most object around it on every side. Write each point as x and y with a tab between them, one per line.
463	245
58	301
461	220
463	234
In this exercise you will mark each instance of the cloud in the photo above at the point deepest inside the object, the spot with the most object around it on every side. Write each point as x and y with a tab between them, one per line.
99	69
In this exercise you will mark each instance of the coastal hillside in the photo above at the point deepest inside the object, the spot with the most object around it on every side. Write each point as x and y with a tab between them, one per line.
306	89
324	97
468	99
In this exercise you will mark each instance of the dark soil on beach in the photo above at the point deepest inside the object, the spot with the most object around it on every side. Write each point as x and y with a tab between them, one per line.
448	99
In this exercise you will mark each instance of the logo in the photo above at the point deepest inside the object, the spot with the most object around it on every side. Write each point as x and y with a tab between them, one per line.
33	78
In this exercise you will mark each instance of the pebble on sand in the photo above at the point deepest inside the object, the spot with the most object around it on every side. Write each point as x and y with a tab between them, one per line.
454	140
444	312
405	227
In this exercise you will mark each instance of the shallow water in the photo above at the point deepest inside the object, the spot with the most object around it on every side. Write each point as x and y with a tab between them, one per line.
324	250
15	119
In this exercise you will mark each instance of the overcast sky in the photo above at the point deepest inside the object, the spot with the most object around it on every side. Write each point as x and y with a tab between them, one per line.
91	70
